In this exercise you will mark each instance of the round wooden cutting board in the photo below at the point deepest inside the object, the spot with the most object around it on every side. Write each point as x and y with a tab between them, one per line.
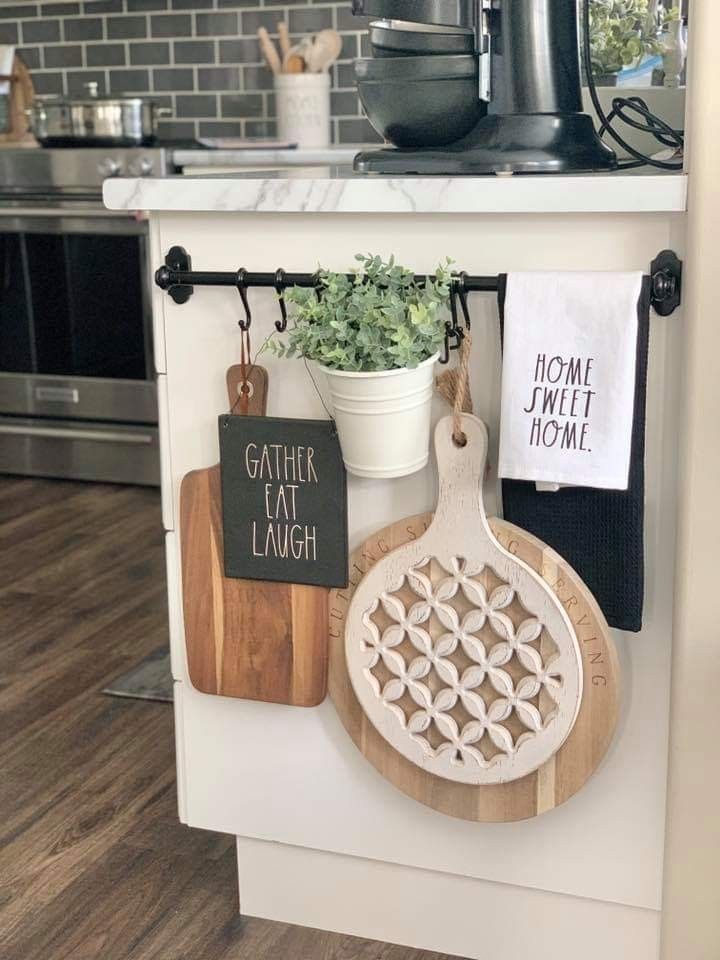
569	769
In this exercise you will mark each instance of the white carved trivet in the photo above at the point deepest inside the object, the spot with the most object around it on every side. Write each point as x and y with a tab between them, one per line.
459	653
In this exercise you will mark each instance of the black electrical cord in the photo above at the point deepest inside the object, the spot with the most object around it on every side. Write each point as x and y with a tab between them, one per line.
622	108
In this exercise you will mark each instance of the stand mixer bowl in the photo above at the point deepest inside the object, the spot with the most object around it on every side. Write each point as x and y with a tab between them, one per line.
420	101
401	38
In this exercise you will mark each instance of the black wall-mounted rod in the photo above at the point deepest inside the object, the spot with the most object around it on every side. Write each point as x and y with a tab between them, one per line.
178	278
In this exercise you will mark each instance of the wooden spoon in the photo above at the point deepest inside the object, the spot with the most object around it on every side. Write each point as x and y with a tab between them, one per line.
296	59
268	50
283	38
325	50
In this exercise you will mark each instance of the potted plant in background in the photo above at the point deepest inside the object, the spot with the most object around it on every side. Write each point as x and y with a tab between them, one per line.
375	335
623	33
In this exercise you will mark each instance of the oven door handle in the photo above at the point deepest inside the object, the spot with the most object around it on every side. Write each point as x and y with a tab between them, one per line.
68	433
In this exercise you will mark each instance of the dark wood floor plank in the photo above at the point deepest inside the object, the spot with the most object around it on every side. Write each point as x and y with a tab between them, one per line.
20	496
94	864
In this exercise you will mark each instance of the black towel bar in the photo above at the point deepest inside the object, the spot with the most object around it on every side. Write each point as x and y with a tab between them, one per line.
178	278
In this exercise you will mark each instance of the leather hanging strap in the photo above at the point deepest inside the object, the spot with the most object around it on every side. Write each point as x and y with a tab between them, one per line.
247	383
241	384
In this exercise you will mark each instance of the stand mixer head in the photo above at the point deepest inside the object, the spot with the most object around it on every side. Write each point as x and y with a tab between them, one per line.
529	102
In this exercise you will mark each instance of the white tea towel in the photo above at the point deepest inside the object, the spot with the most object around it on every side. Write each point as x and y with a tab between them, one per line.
568	382
7	59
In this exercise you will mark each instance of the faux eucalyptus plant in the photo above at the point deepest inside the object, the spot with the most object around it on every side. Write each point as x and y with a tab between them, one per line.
378	318
624	32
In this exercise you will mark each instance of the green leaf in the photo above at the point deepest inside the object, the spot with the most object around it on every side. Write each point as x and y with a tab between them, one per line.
379	318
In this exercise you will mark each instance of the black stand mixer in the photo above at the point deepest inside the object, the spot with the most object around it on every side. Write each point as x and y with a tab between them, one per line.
476	87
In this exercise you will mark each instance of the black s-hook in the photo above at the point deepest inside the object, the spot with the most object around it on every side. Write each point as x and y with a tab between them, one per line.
241	284
281	325
454	333
462	293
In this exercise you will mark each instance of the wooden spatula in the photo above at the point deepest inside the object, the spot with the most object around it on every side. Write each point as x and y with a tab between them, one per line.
248	639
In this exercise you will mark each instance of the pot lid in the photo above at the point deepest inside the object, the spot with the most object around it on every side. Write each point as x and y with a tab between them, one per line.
92	98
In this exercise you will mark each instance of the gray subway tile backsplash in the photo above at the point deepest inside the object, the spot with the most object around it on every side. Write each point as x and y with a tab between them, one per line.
194	51
146	5
356	130
76	81
9	33
218	78
40	31
59	9
31	57
20	11
83	28
252	20
343	103
171	25
243	50
219	128
104	55
177	129
63	55
172	79
200	57
256	78
310	19
49	83
103	6
215	24
196	105
242	105
129	81
126	28
150	54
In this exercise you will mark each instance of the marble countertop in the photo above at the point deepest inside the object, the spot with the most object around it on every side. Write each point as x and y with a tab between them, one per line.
339	190
336	154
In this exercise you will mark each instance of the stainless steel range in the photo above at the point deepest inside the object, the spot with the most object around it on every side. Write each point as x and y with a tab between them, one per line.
77	390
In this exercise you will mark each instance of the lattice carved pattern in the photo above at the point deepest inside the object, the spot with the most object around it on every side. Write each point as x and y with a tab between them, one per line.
464	669
458	652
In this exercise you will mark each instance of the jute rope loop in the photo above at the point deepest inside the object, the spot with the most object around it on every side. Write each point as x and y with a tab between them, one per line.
462	390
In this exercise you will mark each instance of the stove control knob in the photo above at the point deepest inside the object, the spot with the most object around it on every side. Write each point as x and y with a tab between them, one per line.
142	167
108	167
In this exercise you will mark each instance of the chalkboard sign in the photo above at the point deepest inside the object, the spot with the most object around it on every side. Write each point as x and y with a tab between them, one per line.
284	500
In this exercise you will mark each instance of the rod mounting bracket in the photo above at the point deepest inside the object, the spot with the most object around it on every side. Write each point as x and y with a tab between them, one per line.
177	260
666	278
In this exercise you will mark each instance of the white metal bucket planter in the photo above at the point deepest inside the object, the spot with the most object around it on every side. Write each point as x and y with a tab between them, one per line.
383	418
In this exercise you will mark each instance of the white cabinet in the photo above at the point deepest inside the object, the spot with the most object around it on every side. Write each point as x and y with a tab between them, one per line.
591	871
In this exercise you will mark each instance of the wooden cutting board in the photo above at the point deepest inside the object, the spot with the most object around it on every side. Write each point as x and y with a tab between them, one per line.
247	639
21	96
581	754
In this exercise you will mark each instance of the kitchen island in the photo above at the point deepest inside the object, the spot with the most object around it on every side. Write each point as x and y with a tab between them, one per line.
323	840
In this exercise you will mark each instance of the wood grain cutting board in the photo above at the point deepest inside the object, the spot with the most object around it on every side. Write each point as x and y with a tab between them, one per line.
247	639
22	94
578	758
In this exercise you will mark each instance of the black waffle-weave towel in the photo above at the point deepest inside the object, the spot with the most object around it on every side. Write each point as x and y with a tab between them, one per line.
599	532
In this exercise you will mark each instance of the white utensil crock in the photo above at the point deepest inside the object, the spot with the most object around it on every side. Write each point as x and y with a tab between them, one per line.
383	419
303	108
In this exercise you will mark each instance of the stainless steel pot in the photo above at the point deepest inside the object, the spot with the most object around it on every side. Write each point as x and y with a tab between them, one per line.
94	121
